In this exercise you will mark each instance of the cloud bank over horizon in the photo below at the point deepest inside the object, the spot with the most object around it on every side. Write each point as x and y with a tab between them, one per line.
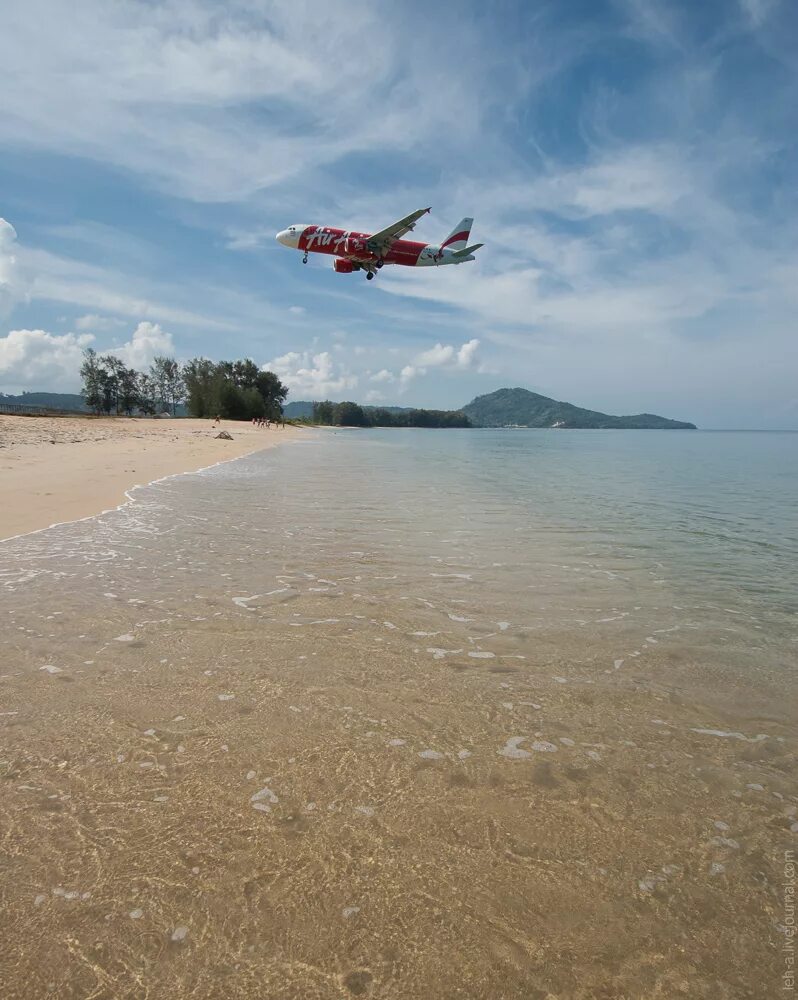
631	165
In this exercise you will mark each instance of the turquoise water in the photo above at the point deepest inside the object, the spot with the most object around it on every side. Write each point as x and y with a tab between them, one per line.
556	529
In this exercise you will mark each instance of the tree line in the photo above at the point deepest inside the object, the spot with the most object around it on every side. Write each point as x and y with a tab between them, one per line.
349	414
233	390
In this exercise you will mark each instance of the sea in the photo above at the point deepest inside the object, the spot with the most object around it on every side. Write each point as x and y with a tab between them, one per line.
409	712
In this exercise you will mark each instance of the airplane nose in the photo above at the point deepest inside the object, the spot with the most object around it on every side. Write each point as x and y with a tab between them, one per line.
282	237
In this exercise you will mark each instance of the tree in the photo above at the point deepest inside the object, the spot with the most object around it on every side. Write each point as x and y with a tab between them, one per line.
114	370
197	378
323	412
147	392
245	374
349	414
273	392
91	373
128	397
168	382
236	390
175	389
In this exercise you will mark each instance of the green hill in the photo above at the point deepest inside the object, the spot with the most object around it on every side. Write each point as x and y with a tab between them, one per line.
521	408
53	400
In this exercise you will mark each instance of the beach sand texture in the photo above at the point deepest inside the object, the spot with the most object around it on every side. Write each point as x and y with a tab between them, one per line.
259	740
56	469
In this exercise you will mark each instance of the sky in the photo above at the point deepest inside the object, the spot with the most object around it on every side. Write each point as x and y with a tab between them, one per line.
631	166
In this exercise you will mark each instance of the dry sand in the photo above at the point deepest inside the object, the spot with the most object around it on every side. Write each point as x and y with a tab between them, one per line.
55	469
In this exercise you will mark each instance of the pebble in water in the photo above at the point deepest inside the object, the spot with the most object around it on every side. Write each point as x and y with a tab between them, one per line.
512	750
264	800
430	755
179	933
725	842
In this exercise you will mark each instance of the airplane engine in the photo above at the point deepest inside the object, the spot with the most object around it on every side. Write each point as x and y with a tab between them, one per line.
343	266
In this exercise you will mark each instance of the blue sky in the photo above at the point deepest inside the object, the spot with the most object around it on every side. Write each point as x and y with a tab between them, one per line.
631	166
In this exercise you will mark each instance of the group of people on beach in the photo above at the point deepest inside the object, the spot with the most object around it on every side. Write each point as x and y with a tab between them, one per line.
265	422
258	422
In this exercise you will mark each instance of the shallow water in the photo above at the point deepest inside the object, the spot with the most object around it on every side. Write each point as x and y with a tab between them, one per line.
409	713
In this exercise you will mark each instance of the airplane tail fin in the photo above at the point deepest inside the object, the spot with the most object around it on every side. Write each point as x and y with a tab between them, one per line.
458	237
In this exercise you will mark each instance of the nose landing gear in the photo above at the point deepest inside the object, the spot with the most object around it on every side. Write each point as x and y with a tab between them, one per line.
305	258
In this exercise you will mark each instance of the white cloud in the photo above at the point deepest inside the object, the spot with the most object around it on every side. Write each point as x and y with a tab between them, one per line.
447	356
9	273
312	376
408	373
175	91
467	355
98	324
436	356
382	376
296	310
37	360
147	342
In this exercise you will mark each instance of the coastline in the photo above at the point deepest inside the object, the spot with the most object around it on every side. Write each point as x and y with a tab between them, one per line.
59	469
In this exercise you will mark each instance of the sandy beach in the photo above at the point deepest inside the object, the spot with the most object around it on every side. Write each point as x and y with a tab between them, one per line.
56	469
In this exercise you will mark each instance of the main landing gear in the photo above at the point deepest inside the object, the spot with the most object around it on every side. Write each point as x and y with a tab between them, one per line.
369	275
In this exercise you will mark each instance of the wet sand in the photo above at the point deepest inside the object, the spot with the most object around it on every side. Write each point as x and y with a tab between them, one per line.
297	753
56	469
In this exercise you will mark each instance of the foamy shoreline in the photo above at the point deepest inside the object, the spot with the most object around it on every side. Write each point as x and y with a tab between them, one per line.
58	469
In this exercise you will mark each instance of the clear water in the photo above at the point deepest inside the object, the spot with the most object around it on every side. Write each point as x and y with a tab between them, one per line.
380	709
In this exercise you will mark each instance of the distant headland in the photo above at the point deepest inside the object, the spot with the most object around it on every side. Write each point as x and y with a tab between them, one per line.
521	408
502	408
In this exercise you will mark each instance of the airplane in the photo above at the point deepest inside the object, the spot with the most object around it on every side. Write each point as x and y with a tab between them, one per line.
354	251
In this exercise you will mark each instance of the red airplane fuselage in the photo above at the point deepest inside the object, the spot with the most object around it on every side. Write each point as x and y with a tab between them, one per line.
353	245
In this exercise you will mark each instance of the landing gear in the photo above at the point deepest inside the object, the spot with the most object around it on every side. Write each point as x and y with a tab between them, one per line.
379	264
369	275
305	258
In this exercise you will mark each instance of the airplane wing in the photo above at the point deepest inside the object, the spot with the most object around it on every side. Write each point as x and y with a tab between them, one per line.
381	242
